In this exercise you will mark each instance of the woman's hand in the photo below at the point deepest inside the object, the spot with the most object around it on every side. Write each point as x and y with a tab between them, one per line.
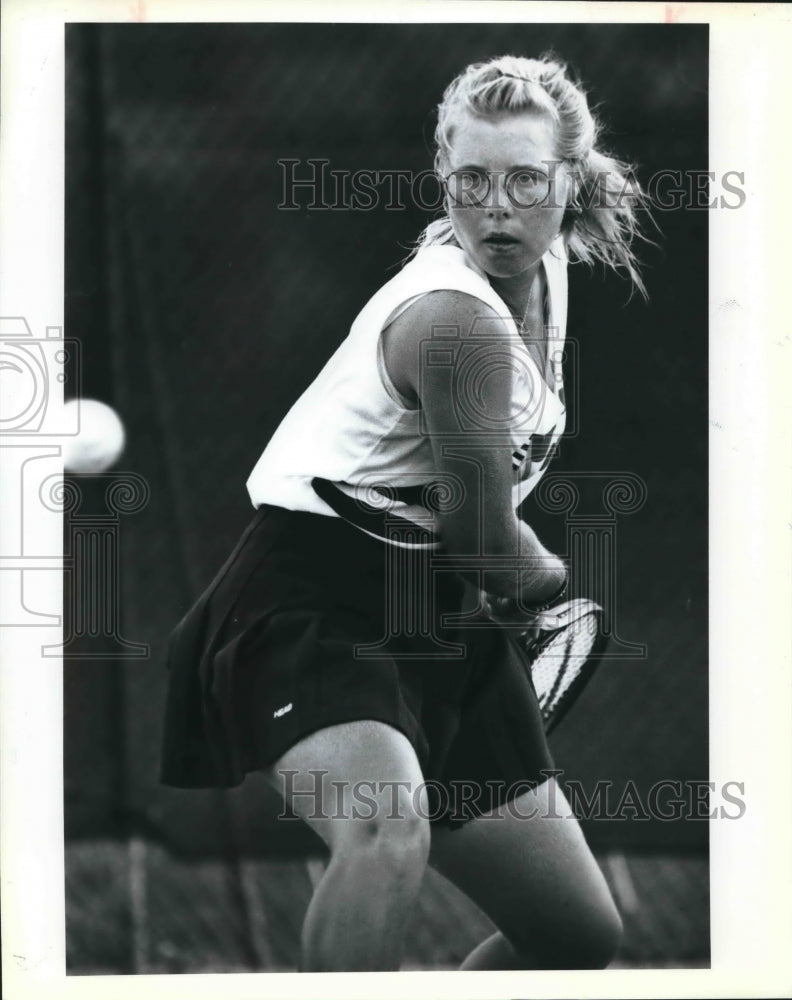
505	611
531	603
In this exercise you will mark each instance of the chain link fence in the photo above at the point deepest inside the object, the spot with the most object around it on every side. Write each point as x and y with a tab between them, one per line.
136	908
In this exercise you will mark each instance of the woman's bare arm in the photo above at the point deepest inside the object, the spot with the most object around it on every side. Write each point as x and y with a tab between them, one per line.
451	352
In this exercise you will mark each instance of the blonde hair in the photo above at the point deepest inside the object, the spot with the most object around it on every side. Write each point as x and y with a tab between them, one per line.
600	222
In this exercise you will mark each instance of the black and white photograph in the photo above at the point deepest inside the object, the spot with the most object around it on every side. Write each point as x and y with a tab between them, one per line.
387	430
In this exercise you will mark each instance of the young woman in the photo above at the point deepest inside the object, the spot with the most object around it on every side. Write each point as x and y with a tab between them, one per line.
333	651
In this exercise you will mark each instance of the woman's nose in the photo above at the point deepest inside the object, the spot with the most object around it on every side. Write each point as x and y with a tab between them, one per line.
497	201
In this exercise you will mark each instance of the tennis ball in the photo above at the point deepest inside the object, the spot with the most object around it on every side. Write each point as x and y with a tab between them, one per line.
100	440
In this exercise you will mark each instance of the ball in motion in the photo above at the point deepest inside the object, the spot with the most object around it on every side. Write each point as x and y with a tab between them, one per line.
100	439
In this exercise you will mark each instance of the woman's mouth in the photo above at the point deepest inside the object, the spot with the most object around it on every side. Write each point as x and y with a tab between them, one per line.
500	241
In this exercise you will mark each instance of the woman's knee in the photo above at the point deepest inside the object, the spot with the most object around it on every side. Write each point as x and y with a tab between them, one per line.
590	939
599	939
393	827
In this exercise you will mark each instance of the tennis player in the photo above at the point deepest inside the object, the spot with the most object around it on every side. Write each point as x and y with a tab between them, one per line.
340	649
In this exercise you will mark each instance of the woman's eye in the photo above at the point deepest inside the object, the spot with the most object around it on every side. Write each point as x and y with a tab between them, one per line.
528	187
471	178
467	186
526	177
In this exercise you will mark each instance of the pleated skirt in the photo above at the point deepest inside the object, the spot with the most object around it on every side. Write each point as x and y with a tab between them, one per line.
312	623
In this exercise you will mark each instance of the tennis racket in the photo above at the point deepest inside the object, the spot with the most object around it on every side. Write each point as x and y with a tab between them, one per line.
563	647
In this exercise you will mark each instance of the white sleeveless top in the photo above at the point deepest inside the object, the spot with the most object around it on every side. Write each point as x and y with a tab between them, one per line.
352	447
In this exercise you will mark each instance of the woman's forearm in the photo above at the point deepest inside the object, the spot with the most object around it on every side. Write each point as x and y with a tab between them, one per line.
528	572
539	575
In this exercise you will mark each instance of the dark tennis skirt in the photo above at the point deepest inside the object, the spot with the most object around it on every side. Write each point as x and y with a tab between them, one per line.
312	623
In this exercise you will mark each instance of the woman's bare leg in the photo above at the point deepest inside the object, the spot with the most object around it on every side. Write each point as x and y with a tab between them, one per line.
528	867
365	807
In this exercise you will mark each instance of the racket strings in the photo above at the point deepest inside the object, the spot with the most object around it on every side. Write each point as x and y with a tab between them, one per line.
558	660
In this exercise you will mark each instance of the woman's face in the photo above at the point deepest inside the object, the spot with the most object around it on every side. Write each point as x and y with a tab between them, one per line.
505	235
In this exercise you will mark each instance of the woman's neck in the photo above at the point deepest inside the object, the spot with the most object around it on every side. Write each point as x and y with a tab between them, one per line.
520	292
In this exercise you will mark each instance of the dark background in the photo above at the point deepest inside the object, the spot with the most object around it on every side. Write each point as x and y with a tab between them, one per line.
203	310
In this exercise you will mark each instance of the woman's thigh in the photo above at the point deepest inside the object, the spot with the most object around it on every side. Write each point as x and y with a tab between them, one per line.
528	867
361	775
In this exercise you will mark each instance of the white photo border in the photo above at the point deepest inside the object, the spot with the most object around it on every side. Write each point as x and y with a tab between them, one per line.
750	511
